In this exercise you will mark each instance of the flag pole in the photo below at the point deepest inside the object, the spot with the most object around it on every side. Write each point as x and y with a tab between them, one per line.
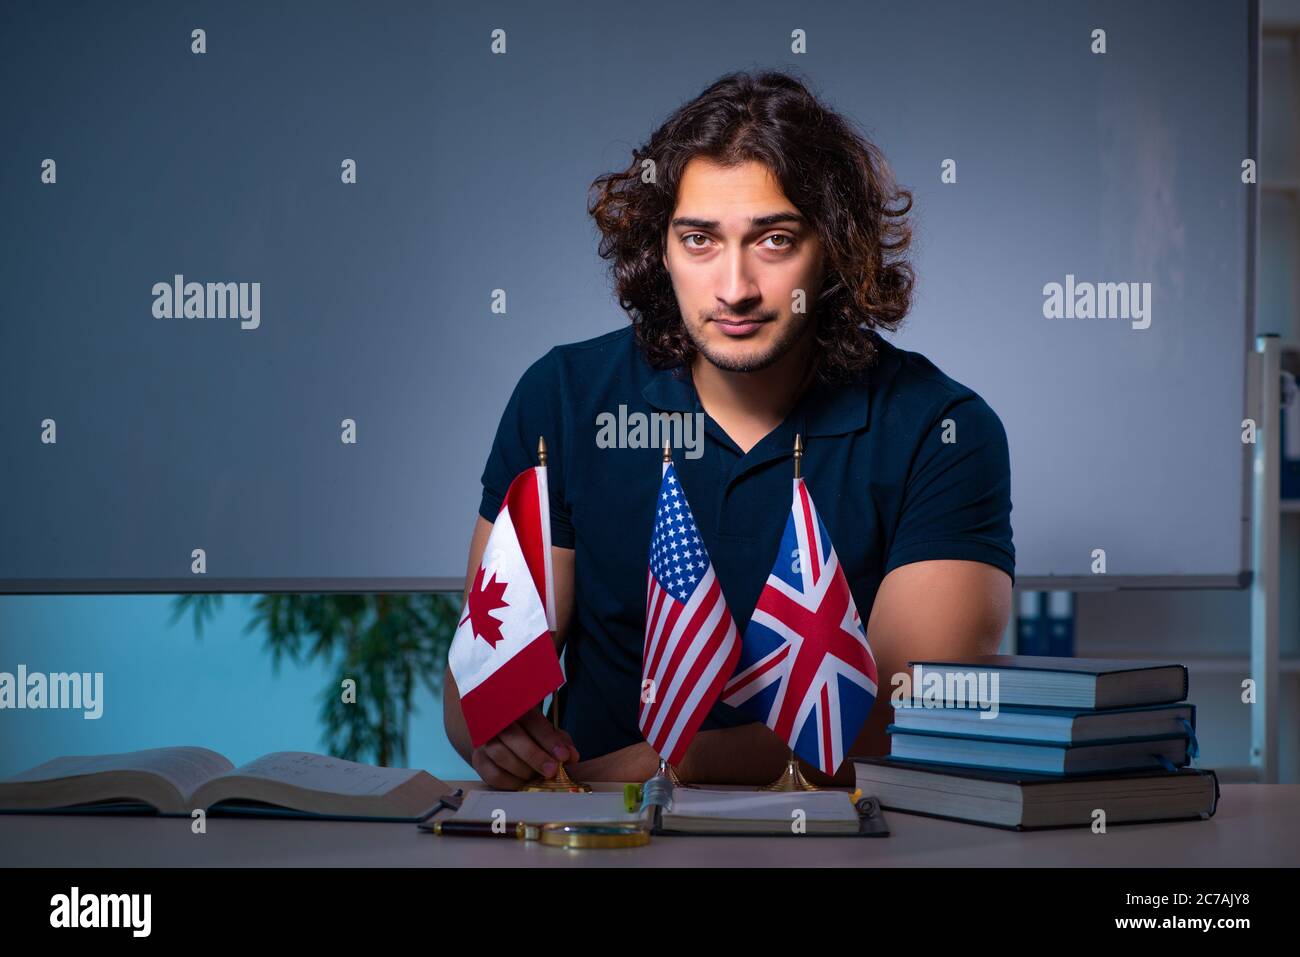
561	781
666	769
792	778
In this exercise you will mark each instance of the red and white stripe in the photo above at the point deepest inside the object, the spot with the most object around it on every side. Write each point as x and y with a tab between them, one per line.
530	506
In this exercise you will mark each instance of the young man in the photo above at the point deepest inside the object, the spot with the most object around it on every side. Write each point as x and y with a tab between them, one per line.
755	243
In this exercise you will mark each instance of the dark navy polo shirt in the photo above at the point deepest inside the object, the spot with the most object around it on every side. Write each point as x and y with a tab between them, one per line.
887	485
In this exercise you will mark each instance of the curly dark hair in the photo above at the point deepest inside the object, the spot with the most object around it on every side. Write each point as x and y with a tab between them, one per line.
836	178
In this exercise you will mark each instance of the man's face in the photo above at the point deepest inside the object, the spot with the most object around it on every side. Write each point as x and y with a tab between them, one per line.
738	251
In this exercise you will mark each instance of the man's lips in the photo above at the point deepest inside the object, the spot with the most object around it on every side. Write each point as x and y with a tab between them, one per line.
738	327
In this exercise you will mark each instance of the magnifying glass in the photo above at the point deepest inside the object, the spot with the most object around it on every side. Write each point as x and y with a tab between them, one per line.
589	834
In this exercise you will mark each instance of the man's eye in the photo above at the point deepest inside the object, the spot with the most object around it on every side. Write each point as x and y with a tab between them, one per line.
689	236
788	241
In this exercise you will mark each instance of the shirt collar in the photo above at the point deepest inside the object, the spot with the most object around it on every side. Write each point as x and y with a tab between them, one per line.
824	409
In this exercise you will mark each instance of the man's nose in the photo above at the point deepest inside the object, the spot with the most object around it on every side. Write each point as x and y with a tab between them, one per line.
737	283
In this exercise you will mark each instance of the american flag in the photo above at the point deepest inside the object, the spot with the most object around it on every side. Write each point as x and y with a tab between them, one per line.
691	643
806	669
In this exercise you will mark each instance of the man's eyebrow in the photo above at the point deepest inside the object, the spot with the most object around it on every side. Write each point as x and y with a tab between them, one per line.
771	219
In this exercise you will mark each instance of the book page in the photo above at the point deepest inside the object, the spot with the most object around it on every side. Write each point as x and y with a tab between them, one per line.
184	768
319	772
775	806
545	807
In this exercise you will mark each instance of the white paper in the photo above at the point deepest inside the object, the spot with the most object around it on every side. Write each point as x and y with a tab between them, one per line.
544	807
775	806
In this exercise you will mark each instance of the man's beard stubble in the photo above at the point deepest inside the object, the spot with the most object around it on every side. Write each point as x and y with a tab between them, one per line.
801	323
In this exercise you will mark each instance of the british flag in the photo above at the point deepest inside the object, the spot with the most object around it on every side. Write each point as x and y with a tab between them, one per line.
805	667
691	643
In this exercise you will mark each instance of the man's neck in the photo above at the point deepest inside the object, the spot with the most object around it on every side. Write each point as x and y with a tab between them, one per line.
765	396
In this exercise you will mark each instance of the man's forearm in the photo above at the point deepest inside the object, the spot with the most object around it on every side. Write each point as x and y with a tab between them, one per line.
634	763
748	754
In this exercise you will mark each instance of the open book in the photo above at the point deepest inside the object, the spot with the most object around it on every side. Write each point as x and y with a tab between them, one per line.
693	811
176	781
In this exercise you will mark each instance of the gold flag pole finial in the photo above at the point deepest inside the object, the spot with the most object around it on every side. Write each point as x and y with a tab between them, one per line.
561	781
798	453
668	452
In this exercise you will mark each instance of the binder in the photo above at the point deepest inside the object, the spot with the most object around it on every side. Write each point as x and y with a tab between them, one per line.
1031	628
1290	438
1060	624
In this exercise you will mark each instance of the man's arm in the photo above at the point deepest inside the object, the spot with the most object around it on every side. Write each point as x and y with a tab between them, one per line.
927	609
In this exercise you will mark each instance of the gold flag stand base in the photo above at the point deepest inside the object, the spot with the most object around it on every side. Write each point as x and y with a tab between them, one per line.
791	779
561	782
670	772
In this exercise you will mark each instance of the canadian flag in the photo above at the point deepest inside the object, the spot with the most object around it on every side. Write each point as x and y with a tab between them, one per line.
502	657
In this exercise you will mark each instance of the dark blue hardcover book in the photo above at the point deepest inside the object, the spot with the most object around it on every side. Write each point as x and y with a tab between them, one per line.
1167	751
1064	725
1050	681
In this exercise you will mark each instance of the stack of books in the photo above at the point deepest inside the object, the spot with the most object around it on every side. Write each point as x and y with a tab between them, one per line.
1029	742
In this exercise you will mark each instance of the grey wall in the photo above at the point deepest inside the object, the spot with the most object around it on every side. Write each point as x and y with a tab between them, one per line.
473	171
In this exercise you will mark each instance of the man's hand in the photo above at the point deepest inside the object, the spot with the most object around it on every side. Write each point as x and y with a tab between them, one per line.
525	749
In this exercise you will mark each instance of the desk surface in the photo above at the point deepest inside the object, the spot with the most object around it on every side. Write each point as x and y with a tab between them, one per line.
1256	825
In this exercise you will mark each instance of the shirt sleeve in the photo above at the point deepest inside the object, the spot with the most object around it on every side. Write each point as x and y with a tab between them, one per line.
533	411
957	501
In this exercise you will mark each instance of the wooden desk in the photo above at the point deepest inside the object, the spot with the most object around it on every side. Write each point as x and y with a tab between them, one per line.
1256	825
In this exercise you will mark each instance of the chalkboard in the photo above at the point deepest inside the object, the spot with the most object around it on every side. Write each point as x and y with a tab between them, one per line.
370	303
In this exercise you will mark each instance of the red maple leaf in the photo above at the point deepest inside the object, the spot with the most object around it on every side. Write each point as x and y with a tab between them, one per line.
485	598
